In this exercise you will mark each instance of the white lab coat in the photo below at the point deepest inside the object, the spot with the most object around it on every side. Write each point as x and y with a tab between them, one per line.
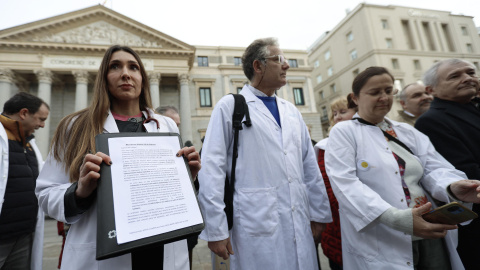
80	246
278	189
366	181
37	248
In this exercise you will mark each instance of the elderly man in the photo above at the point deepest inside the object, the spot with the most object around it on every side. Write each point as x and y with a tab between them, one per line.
280	196
415	100
21	221
453	126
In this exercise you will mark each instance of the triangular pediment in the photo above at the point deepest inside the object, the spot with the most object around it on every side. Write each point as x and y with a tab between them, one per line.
100	33
93	27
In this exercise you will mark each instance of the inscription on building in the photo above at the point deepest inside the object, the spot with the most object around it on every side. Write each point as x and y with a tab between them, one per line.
87	63
418	13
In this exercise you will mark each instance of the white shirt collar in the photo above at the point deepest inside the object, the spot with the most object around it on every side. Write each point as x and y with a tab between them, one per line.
257	92
409	114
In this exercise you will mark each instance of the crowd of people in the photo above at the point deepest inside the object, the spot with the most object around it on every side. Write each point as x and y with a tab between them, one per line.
360	193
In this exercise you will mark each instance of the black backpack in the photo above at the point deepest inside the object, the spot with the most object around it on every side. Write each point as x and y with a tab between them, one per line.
240	110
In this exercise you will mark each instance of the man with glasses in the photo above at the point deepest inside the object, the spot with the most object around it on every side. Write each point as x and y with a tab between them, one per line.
280	199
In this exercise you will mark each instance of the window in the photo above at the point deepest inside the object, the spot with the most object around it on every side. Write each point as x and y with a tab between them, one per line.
477	66
293	63
330	71
237	61
464	31
322	96
319	78
324	111
353	55
239	89
202	61
327	55
389	43
385	24
349	36
298	96
333	88
316	64
205	97
355	72
469	48
416	64
395	63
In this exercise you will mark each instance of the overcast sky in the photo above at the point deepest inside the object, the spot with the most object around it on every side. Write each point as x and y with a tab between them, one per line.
296	23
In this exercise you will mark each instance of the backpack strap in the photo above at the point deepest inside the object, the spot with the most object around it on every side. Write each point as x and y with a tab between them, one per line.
240	110
390	137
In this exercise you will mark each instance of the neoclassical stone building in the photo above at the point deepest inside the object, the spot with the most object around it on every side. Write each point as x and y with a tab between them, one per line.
57	59
406	40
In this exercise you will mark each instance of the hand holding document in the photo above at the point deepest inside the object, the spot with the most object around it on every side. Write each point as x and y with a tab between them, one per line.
152	190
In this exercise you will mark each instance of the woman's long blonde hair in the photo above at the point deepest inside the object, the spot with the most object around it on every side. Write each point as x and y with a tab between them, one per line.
75	134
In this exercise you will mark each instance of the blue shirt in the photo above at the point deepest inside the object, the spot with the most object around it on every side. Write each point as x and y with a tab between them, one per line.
271	104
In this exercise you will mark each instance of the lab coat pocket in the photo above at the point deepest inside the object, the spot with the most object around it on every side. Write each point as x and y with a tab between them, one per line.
258	213
81	255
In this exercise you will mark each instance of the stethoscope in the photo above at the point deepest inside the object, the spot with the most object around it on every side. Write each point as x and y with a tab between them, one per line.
152	119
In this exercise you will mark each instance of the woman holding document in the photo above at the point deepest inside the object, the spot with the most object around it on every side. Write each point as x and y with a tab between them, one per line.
66	187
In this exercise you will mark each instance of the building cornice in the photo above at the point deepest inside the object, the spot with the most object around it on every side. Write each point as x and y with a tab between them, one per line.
88	48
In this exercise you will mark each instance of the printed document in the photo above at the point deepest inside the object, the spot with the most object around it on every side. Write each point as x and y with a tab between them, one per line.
152	190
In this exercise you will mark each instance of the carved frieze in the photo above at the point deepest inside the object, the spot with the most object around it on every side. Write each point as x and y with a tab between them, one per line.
98	33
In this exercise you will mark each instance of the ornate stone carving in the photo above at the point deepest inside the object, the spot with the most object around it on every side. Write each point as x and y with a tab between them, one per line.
183	78
7	75
154	77
44	75
98	33
81	76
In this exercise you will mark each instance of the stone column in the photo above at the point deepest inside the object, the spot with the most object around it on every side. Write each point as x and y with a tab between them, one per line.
185	112
155	78
311	96
81	92
6	80
42	135
226	86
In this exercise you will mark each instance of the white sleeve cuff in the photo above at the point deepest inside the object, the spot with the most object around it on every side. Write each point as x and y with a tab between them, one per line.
400	220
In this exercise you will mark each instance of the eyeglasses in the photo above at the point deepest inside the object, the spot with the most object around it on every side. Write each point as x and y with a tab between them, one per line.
279	59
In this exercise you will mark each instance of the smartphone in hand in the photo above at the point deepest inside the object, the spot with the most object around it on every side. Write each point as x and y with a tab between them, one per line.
452	213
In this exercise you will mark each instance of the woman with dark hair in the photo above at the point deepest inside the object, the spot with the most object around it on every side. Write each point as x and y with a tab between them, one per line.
66	188
385	175
341	109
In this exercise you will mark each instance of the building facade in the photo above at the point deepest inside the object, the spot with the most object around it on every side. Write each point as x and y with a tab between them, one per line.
58	58
407	41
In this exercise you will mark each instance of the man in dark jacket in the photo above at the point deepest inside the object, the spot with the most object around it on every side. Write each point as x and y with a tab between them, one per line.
453	125
22	115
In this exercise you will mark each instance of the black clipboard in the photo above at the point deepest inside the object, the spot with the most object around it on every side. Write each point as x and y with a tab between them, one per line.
107	246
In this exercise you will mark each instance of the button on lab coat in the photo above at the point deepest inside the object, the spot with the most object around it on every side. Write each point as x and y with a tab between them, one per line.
278	189
80	246
365	179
